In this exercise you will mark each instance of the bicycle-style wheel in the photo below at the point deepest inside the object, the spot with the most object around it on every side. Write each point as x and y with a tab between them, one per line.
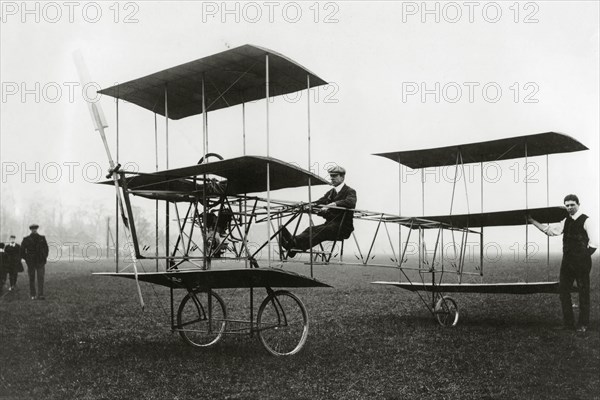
282	323
446	311
198	324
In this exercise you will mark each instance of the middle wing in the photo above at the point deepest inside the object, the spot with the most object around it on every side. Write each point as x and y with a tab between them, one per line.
502	218
247	174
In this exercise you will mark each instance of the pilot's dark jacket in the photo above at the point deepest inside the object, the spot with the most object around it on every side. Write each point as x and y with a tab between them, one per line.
338	225
342	219
34	249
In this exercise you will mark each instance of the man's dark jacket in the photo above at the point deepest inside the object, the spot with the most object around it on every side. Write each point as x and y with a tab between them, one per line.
343	219
34	249
12	258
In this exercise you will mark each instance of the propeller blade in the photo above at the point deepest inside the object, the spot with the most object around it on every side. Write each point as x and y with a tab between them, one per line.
99	125
84	78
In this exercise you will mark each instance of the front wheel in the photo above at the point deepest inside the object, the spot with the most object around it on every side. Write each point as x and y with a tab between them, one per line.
201	318
446	311
282	323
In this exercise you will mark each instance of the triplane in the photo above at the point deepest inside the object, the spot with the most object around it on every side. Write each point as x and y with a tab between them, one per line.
219	215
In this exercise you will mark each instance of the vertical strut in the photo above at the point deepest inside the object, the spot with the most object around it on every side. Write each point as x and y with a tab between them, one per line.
423	191
547	205
245	216
205	264
310	226
526	223
167	232
481	235
156	201
268	165
400	215
117	200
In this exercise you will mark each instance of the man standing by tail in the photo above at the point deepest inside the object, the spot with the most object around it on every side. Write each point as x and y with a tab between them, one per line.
579	243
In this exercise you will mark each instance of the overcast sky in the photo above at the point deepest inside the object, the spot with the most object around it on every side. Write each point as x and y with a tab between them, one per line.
406	75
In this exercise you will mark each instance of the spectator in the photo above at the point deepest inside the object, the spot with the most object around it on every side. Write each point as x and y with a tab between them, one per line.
34	250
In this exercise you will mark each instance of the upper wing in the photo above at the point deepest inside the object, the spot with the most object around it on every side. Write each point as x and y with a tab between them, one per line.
231	77
493	150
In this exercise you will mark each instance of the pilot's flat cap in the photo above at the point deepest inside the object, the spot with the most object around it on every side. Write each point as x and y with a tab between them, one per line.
336	170
34	226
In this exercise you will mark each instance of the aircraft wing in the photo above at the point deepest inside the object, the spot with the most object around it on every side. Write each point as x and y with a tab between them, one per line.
502	218
493	150
224	279
241	175
232	77
506	288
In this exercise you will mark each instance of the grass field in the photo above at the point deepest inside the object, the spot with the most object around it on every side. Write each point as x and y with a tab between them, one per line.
89	340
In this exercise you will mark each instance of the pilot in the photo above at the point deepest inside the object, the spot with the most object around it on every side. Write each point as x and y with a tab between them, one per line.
579	243
338	223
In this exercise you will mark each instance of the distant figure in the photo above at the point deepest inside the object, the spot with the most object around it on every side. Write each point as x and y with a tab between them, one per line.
3	270
338	225
12	263
34	250
579	243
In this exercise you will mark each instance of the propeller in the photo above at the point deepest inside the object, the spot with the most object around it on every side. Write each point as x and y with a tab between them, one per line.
100	124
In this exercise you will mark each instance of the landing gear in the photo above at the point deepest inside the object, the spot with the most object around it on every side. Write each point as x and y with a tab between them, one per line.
201	318
446	311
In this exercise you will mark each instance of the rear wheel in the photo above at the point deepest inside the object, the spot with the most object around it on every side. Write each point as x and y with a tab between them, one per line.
282	323
446	311
198	324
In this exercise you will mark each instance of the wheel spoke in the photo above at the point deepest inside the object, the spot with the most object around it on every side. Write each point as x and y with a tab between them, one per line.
191	322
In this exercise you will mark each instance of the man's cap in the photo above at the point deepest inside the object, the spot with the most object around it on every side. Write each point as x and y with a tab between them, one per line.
12	236
34	226
336	170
